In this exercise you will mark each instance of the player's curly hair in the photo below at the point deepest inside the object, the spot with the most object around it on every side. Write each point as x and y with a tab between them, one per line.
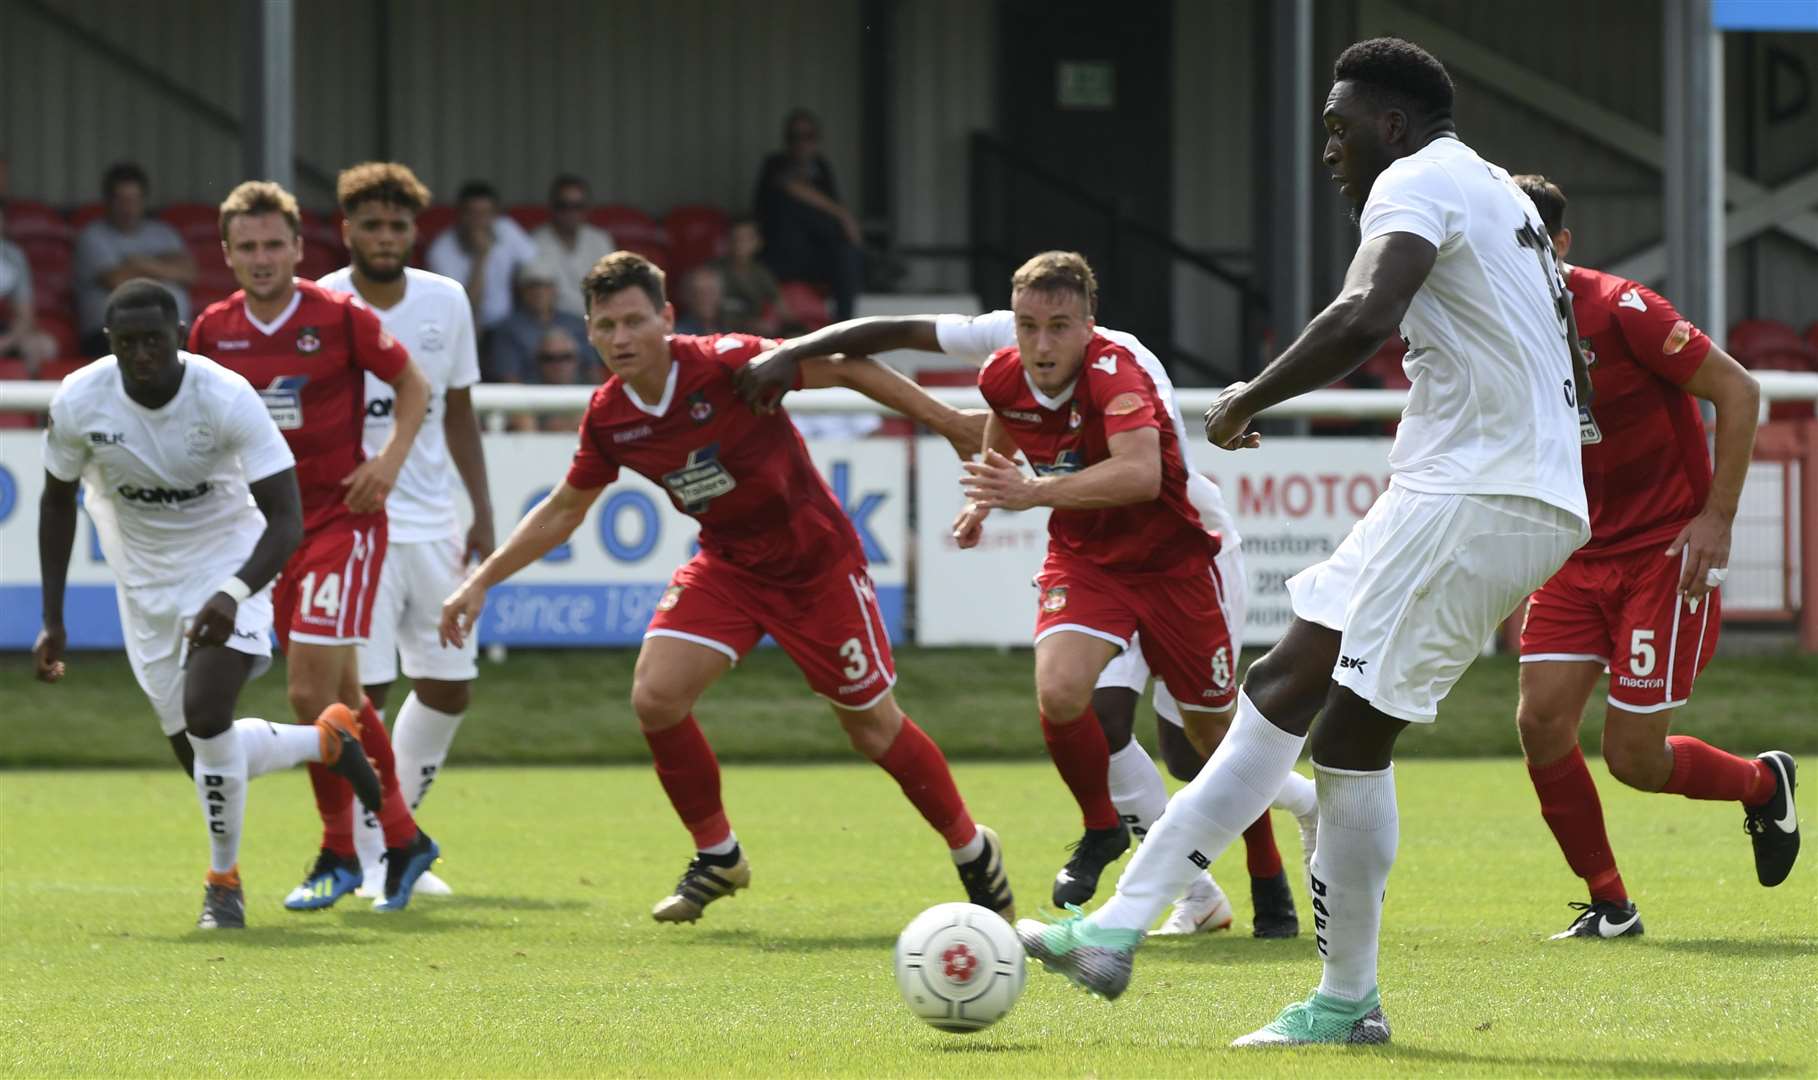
260	197
1548	199
1058	271
388	182
623	270
1401	70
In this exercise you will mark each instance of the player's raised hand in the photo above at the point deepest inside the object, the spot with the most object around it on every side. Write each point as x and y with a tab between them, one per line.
369	485
1705	540
997	482
1228	423
969	526
214	624
763	381
461	613
47	654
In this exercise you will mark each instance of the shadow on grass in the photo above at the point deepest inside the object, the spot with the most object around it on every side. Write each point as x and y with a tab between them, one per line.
1546	1065
509	903
803	943
260	937
1229	948
950	1047
1764	948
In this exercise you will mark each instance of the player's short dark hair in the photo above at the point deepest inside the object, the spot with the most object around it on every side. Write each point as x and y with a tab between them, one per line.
1548	199
1058	271
1400	70
123	172
623	270
388	182
567	180
141	292
254	197
476	189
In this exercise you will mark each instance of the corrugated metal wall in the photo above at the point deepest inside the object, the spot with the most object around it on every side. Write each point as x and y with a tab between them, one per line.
944	85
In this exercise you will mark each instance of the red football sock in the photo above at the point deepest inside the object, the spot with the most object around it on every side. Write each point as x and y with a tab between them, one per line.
1568	801
1261	855
334	802
1701	771
690	775
921	769
1081	754
394	813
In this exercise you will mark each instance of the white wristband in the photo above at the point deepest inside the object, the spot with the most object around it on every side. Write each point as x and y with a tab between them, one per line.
237	589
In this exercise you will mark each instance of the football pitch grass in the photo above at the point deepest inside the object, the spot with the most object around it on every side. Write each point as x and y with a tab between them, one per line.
547	963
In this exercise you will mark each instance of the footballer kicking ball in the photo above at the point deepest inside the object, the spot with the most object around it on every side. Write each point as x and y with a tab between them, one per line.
959	966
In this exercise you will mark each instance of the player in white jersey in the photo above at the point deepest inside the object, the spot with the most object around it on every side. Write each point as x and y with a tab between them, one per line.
427	556
1136	786
1486	501
193	492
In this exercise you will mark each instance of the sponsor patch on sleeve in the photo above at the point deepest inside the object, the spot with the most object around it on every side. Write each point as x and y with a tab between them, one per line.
1124	404
1677	338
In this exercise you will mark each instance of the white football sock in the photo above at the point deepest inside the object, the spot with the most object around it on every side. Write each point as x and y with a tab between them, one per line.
273	747
724	847
221	788
1137	789
970	850
421	739
1297	796
1229	794
1358	830
369	844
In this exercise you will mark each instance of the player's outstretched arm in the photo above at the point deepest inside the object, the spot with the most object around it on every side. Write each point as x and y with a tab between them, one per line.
278	499
964	428
764	381
370	485
1132	474
462	425
1736	395
548	524
56	534
1384	276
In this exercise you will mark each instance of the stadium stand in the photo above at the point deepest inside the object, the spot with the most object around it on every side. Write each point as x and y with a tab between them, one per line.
697	235
634	230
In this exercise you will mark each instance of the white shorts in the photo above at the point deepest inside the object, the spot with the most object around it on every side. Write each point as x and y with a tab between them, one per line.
1128	670
154	622
1419	586
416	578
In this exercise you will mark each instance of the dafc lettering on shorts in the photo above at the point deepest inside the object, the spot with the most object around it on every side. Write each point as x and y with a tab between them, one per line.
1320	911
216	803
853	688
161	496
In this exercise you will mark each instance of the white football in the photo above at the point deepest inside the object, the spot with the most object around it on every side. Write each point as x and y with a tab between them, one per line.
959	966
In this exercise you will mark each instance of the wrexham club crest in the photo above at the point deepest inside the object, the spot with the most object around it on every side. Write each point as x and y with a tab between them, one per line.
700	410
1054	599
308	341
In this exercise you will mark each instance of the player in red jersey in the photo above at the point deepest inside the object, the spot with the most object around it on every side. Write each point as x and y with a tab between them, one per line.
1642	599
777	556
307	351
1127	551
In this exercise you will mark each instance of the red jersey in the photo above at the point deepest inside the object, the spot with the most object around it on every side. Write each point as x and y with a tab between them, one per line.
1646	470
310	367
747	479
1070	432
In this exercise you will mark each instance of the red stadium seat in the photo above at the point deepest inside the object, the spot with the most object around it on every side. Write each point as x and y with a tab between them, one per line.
62	330
1811	335
57	370
431	223
11	367
51	260
27	220
84	214
195	222
1770	345
631	228
697	235
947	377
804	305
529	215
1385	365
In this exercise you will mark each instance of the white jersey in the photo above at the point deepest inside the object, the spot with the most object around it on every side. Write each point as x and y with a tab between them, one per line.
167	487
1493	409
435	323
976	337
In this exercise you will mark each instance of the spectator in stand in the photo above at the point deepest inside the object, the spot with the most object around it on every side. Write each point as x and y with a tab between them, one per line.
511	354
482	251
752	300
810	235
569	243
559	362
121	245
702	299
19	336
